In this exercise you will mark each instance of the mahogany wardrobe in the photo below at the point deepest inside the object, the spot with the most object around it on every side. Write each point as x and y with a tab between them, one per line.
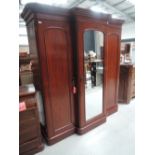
76	66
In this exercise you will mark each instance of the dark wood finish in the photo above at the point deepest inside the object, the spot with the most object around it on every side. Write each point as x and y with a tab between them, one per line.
30	140
51	37
126	83
125	48
133	83
24	60
112	59
49	32
83	20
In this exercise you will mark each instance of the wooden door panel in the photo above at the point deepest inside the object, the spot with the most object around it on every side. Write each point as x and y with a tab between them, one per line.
112	69
56	44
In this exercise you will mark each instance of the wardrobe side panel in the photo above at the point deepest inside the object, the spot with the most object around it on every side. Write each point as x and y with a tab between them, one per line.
31	32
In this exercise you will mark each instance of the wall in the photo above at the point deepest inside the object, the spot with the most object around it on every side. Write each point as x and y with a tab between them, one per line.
23	48
89	44
128	30
23	40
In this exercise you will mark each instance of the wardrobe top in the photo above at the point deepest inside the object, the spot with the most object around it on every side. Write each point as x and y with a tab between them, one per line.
35	8
43	8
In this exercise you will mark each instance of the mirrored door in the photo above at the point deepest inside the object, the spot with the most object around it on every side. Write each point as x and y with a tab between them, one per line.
94	72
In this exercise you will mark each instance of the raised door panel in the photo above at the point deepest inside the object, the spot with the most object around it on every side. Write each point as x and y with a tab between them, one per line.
56	73
58	69
112	70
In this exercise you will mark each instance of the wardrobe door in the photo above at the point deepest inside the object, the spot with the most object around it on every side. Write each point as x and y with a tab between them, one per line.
112	73
57	75
90	103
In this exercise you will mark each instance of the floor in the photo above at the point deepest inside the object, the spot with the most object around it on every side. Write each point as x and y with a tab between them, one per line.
93	107
115	137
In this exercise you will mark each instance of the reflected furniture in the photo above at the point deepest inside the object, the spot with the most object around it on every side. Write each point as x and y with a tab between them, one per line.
30	139
126	83
67	72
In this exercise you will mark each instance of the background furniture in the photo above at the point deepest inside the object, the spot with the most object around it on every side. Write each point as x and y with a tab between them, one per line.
126	83
25	73
30	139
127	52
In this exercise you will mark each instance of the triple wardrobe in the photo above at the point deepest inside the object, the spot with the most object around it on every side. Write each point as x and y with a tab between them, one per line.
76	67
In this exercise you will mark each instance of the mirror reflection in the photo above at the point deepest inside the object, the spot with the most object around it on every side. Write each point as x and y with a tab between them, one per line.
93	68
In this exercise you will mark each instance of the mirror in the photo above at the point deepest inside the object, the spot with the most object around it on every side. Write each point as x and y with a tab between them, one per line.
93	69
